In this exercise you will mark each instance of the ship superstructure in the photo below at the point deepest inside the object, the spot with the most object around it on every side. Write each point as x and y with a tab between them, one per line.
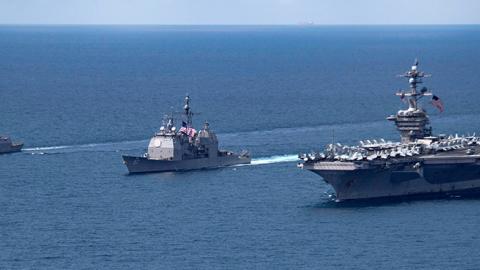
413	123
172	149
420	164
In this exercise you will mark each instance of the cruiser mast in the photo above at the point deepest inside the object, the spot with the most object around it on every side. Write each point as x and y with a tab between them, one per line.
188	112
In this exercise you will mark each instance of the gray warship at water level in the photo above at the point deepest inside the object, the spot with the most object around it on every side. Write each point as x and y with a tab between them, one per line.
185	149
7	146
420	165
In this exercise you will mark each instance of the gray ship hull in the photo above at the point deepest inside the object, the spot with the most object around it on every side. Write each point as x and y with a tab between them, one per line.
425	176
10	148
145	165
420	164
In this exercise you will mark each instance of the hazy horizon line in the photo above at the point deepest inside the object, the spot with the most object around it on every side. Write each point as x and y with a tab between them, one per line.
289	24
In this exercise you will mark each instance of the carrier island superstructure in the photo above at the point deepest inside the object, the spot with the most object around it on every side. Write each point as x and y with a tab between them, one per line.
183	149
421	164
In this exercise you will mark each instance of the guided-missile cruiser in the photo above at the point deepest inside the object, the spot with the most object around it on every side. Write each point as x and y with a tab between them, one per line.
420	165
184	149
7	146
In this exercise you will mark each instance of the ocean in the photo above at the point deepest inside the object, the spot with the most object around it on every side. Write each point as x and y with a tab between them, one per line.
81	96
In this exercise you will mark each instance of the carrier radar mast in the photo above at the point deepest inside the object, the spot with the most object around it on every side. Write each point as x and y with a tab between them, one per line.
414	78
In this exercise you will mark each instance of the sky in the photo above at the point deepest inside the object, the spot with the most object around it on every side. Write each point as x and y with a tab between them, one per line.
239	12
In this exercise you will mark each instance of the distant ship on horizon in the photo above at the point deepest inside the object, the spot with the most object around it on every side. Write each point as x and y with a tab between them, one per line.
8	146
306	23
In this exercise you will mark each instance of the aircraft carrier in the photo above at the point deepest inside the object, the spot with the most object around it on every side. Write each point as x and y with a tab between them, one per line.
421	164
184	149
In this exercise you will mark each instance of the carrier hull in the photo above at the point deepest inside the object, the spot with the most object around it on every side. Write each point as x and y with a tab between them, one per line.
420	177
144	165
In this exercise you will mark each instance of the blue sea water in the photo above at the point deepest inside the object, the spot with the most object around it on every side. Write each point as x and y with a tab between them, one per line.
79	97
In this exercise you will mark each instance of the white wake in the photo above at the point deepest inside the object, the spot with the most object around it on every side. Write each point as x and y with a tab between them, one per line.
133	145
91	147
274	159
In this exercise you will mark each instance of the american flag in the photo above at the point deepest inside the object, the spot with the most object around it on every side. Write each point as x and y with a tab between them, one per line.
437	103
189	131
